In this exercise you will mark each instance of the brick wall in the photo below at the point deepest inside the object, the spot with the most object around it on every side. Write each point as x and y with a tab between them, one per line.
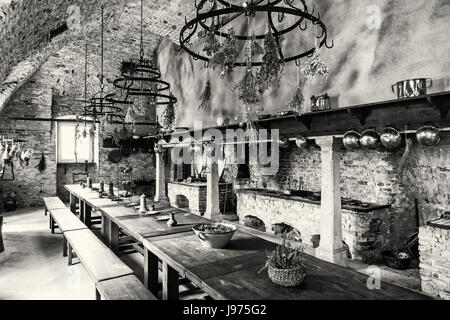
434	246
53	91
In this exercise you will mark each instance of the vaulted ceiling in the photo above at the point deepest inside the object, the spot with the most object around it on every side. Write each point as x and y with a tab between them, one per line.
26	26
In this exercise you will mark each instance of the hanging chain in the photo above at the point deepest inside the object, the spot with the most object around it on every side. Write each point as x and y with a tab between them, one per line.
85	74
142	32
102	85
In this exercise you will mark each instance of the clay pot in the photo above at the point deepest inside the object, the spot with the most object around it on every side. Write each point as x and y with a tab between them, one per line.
370	139
428	136
301	142
390	138
351	140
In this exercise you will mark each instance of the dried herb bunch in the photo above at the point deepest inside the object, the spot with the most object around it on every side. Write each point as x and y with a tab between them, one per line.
272	67
314	66
285	256
297	99
205	98
228	53
212	45
169	117
247	88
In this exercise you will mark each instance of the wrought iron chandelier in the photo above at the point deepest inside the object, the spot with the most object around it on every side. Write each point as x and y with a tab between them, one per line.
99	106
142	85
212	19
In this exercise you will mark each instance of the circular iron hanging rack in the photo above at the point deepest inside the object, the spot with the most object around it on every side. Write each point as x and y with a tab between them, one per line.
99	105
142	79
221	12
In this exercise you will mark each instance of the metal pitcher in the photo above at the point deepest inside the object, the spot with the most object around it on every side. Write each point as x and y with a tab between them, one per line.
412	87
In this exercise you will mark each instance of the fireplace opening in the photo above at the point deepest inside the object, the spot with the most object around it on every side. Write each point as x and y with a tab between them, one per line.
254	223
181	202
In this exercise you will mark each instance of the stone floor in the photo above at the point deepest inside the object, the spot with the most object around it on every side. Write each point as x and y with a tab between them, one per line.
32	266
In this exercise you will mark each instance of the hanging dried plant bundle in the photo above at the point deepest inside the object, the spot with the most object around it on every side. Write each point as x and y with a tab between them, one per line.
256	48
228	54
272	67
315	67
296	101
247	89
139	106
205	98
169	117
212	45
129	117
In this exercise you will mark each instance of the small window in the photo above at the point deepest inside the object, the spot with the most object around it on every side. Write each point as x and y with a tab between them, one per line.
71	149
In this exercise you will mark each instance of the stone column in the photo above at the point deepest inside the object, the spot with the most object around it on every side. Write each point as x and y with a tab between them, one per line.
212	192
160	191
330	248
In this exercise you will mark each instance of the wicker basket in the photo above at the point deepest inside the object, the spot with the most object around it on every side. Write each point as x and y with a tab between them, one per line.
287	277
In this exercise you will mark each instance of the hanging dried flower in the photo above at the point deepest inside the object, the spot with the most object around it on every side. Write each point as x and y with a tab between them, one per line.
212	45
272	67
297	99
247	89
205	98
315	67
129	117
228	54
169	117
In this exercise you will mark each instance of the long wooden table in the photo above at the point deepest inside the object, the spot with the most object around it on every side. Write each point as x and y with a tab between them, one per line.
234	272
230	273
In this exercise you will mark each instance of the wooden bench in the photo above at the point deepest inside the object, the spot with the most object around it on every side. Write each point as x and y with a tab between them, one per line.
123	288
51	203
66	221
100	262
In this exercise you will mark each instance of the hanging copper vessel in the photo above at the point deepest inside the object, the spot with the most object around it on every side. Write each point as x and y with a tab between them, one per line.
428	136
370	139
390	138
351	140
283	142
301	142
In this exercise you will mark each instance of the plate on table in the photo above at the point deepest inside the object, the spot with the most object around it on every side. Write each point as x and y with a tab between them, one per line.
163	218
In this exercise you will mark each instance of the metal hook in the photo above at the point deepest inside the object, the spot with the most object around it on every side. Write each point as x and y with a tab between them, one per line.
321	35
206	64
329	46
280	17
300	25
297	62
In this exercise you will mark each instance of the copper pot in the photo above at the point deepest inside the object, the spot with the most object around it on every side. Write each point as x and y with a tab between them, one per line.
351	140
390	138
370	139
428	136
412	87
283	142
301	142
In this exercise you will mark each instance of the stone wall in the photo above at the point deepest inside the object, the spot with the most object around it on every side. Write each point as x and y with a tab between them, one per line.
55	90
357	227
434	248
194	196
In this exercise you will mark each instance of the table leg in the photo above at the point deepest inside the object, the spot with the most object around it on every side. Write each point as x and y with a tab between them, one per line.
81	208
151	272
170	283
73	203
87	211
113	237
64	247
105	228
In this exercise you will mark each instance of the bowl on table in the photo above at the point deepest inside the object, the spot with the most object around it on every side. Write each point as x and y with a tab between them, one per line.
214	235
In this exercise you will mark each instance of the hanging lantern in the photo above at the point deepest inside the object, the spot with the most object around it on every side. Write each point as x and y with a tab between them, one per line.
301	142
390	138
351	140
428	136
370	139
